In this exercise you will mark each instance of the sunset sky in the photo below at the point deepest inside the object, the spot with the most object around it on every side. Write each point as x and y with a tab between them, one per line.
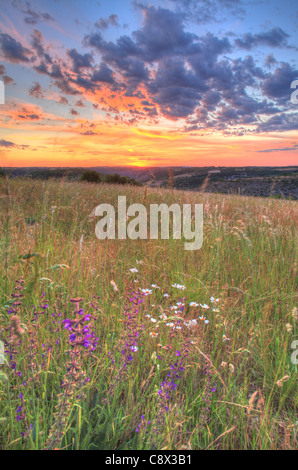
149	83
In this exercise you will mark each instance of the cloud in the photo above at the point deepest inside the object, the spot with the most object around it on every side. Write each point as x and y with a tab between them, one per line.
88	133
279	123
63	100
278	84
163	70
182	72
36	90
210	11
79	61
162	33
274	38
65	87
103	23
13	50
103	74
38	46
8	145
31	16
282	149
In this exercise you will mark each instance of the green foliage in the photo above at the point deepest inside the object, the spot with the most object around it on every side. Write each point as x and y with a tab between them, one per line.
91	177
117	179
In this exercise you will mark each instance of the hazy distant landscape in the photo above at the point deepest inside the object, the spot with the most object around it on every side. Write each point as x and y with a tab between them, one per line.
279	182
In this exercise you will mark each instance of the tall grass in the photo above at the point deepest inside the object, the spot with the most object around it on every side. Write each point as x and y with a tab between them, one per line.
239	393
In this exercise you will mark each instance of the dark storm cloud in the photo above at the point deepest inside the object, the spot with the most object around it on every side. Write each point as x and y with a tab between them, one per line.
13	50
31	16
274	38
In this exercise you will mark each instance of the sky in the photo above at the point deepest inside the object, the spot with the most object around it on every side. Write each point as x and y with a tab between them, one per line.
150	83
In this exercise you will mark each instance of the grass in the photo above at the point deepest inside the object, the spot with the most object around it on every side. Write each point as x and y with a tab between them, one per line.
229	395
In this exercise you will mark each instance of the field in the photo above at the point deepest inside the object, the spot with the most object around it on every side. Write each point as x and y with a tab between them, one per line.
132	369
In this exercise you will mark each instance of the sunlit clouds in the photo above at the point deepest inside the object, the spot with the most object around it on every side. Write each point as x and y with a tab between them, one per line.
160	84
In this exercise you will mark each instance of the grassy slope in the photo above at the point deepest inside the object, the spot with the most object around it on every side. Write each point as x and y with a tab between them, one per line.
247	261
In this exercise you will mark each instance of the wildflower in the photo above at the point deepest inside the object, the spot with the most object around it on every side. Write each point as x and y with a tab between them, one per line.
113	284
174	307
153	320
153	334
154	286
134	270
204	319
205	306
139	262
213	300
191	323
180	305
130	337
289	327
179	286
193	304
280	382
163	316
147	291
225	338
166	295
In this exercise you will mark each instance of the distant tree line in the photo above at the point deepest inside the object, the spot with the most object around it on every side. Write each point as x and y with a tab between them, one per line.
95	177
77	174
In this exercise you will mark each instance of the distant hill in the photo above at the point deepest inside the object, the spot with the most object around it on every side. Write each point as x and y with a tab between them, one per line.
279	182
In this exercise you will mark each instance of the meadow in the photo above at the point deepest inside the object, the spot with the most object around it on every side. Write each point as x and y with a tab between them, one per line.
140	344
